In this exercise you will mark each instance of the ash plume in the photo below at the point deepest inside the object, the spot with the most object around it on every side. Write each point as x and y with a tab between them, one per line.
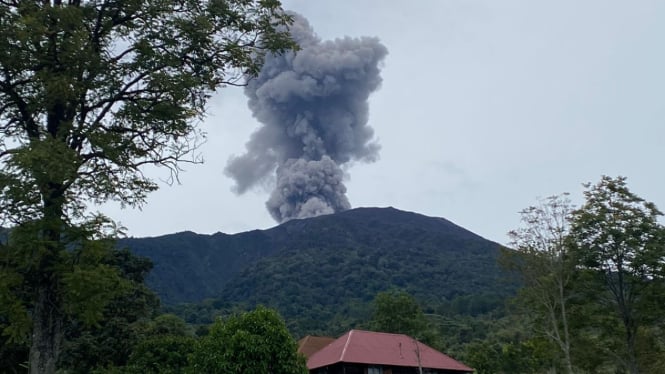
313	109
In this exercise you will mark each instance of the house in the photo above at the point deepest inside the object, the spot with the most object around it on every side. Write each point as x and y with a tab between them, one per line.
367	352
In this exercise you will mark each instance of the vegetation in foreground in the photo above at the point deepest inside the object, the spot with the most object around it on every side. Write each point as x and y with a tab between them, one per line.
91	93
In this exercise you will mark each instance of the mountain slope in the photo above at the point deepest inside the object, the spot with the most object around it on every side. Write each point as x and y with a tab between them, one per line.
327	260
190	267
336	264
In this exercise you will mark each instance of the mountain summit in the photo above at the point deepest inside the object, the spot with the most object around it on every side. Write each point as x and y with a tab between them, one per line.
350	255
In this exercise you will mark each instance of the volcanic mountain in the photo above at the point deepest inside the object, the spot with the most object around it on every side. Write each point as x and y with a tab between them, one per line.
310	265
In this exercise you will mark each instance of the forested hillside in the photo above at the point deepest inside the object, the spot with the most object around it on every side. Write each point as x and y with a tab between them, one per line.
190	267
321	273
344	260
354	253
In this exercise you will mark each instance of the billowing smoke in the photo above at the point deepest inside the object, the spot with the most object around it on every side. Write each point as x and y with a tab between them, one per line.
313	109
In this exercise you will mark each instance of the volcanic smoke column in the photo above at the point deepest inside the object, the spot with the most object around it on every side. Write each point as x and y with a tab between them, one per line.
313	109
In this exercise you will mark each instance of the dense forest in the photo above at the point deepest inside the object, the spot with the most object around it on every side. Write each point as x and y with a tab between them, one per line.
333	266
316	268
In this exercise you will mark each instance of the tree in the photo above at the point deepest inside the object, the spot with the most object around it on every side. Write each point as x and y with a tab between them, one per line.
398	312
255	342
616	235
91	92
168	325
126	319
542	261
161	355
87	272
112	338
164	347
500	357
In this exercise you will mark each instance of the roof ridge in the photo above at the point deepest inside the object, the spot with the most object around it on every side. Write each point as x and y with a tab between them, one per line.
384	333
346	345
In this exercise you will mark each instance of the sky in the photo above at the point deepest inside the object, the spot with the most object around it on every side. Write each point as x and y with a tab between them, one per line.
485	106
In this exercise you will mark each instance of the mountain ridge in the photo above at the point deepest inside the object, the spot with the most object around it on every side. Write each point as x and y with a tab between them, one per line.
190	267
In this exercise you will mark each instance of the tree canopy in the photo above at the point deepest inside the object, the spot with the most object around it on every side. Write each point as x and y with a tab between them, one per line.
398	312
617	237
91	92
593	279
255	342
541	259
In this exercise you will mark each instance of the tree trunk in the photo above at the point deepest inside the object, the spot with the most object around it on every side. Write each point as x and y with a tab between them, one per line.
47	316
631	333
46	332
566	334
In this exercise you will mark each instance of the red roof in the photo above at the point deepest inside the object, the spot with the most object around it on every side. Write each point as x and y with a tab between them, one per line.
378	348
312	344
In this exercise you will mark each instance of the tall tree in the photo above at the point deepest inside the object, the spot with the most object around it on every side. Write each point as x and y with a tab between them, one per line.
542	261
90	93
617	236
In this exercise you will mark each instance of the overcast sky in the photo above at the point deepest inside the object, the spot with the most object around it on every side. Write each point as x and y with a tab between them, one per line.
485	106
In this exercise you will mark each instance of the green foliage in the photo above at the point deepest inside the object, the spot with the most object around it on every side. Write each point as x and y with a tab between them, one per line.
618	231
508	346
617	238
330	268
160	345
466	322
93	90
593	280
372	245
543	263
87	283
112	338
124	323
398	312
530	356
13	356
195	274
90	93
161	355
14	318
169	325
255	342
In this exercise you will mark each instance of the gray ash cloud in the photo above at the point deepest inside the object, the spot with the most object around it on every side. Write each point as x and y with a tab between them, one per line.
313	107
